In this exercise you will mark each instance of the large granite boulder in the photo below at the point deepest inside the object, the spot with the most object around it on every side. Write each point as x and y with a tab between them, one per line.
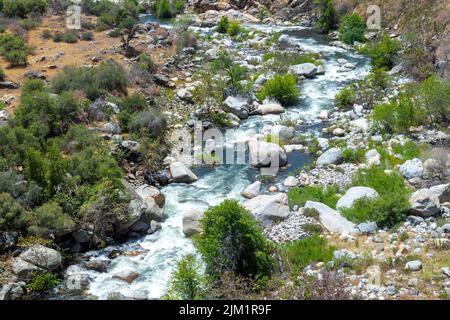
181	174
266	154
268	209
353	194
331	219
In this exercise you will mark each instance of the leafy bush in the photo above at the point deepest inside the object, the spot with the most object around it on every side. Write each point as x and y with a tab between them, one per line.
163	9
187	282
43	282
352	29
49	219
148	123
434	99
384	183
87	36
108	77
130	105
281	87
328	16
232	241
298	254
327	195
29	24
386	211
353	155
384	52
346	98
12	214
21	8
57	37
147	64
70	37
396	116
222	25
14	49
234	28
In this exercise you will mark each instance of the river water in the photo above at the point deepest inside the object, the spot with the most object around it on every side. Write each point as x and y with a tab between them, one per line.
160	251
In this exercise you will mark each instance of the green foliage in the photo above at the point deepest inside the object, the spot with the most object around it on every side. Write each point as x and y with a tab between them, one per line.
21	8
12	214
70	37
397	115
234	75
147	64
353	155
434	99
87	36
327	195
49	219
299	254
222	25
2	78
234	28
390	208
352	29
29	24
148	123
187	39
386	211
164	10
279	61
384	52
43	282
108	77
384	183
14	49
281	87
346	98
232	241
187	281
328	16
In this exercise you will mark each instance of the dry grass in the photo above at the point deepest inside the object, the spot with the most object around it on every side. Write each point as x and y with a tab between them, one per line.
78	54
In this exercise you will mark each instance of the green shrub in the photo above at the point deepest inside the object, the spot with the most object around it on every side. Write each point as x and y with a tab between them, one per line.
46	34
21	8
70	37
232	241
29	24
87	36
43	282
163	9
14	49
187	282
346	98
299	254
135	103
353	155
384	183
386	211
12	215
108	77
434	99
281	87
328	16
147	64
398	115
352	29
148	123
327	195
222	25
49	220
384	52
234	28
2	78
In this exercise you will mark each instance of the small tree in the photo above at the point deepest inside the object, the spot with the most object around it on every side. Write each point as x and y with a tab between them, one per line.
352	29
232	241
327	15
187	282
128	29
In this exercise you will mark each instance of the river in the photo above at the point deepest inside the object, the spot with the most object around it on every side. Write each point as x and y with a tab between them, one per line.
161	250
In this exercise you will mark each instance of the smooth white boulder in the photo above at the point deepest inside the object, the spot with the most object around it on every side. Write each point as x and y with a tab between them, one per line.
353	194
331	219
268	209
